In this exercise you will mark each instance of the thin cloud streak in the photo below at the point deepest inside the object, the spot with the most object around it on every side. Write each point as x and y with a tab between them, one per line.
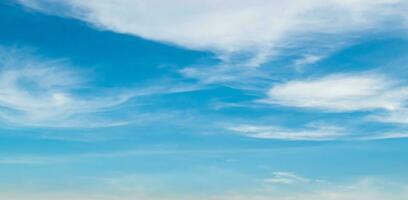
312	133
319	133
286	178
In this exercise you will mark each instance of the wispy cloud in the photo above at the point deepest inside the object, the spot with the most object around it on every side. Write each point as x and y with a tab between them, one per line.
384	136
313	133
43	92
305	60
396	116
286	178
341	93
257	28
244	78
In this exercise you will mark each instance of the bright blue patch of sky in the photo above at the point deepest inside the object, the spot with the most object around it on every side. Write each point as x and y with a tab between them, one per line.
179	130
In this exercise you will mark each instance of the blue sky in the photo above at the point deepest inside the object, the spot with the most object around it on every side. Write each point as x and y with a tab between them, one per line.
203	100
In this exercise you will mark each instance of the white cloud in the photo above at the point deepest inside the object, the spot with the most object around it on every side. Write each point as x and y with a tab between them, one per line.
312	133
308	59
341	93
50	93
286	178
396	117
42	92
300	63
258	27
387	135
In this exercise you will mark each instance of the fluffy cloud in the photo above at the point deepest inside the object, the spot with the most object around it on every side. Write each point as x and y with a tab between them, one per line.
257	28
341	92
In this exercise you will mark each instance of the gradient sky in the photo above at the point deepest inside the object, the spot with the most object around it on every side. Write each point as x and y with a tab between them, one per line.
203	100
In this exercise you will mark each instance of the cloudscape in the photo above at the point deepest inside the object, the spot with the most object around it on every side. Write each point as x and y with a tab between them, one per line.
203	100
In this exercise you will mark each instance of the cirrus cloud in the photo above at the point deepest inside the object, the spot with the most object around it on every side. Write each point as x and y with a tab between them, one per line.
312	133
43	92
258	28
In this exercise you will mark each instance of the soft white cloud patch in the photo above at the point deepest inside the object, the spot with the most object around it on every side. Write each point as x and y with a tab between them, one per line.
341	93
308	59
258	28
395	117
305	60
311	133
286	178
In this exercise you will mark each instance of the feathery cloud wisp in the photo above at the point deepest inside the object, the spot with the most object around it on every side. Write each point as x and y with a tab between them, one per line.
317	133
38	92
258	28
313	132
286	178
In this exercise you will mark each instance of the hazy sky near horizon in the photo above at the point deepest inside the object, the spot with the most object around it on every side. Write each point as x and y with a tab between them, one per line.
203	100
